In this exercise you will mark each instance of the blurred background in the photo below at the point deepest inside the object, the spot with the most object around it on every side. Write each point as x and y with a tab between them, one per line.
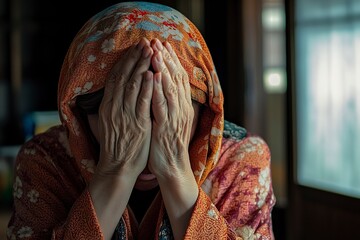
289	71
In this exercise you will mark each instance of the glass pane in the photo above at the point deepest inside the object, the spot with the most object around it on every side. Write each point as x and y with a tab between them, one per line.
328	105
310	10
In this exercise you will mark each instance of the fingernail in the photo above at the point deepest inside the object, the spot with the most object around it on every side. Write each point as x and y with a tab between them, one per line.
140	45
158	44
146	52
168	46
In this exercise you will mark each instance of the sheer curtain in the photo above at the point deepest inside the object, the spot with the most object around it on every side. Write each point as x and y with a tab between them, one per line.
327	39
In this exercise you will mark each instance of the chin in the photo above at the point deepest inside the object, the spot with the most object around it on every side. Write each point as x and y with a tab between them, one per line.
146	185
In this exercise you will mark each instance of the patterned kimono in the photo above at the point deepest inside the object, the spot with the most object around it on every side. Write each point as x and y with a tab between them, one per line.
52	171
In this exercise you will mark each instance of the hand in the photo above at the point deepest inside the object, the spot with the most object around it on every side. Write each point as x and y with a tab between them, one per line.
173	115
124	115
171	132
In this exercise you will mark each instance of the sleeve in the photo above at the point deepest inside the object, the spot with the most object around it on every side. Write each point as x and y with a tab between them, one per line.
207	223
45	205
236	200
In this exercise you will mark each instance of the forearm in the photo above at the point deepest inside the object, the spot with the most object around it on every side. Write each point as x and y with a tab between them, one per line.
179	196
110	197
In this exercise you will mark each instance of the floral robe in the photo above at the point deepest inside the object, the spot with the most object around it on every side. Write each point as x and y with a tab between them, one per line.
232	169
51	199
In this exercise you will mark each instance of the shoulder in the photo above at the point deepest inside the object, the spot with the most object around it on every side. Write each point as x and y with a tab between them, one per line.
240	145
242	155
243	168
53	141
45	163
46	182
54	138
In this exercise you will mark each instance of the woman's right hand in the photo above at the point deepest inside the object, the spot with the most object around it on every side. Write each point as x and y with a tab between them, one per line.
124	115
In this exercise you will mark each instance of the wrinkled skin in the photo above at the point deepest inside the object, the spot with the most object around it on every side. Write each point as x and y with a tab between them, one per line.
145	120
173	114
124	131
124	119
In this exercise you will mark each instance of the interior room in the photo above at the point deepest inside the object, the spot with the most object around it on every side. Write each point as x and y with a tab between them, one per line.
289	73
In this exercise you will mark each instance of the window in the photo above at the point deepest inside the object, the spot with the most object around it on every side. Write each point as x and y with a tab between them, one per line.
327	45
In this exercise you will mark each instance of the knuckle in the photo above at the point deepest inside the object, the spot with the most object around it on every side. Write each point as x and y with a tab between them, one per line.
119	87
167	56
163	105
164	69
142	120
178	76
143	103
131	86
112	78
172	90
116	76
173	65
160	103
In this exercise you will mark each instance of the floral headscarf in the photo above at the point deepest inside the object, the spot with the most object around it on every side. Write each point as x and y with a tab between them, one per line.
104	39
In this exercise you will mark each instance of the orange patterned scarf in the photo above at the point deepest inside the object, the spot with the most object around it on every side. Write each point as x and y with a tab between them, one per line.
104	39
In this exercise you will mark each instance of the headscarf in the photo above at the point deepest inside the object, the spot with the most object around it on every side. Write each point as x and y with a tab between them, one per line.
104	39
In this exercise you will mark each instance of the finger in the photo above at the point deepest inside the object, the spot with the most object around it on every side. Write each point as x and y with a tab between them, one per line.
123	70
158	103
143	106
175	69
169	86
172	53
188	90
178	72
134	85
106	102
108	90
156	45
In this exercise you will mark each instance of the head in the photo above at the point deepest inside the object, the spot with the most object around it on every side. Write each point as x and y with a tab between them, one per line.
103	40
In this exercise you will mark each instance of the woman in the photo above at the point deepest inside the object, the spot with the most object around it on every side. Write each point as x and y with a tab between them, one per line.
143	151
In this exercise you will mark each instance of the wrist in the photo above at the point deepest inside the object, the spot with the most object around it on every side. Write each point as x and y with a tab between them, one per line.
111	185
115	173
110	196
179	196
179	188
171	167
114	177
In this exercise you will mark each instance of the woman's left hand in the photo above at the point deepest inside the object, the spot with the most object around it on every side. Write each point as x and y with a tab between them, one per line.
173	115
169	157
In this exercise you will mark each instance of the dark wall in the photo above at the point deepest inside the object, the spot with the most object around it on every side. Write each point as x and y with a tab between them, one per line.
46	29
223	34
